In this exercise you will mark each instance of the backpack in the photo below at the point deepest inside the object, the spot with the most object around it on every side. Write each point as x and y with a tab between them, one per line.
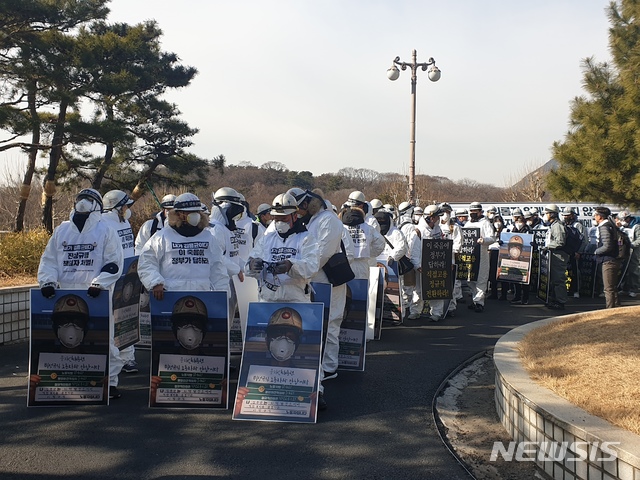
624	244
573	240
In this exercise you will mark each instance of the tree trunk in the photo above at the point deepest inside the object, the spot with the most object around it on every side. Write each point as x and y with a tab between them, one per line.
108	157
54	158
25	189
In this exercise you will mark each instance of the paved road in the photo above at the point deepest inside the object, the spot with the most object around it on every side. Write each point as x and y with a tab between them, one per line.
378	424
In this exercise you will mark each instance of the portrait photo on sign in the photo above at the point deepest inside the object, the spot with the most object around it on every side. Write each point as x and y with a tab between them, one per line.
279	372
514	257
189	350
69	357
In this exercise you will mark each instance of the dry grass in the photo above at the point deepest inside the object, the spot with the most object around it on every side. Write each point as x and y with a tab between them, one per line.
593	362
16	280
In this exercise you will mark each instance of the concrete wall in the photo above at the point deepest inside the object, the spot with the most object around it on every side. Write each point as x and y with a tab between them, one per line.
532	413
14	314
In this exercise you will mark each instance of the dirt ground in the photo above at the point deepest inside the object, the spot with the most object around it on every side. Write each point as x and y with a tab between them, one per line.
467	410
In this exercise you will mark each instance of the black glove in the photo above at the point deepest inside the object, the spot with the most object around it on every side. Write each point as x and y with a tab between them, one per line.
256	264
48	291
94	291
282	267
390	261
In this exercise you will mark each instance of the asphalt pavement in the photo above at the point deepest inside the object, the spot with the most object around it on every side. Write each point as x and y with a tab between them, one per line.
378	424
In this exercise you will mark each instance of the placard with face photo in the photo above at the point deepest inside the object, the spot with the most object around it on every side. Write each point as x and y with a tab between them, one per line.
126	305
353	331
190	350
69	349
279	373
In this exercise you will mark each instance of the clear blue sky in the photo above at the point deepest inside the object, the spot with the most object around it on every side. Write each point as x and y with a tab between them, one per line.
304	82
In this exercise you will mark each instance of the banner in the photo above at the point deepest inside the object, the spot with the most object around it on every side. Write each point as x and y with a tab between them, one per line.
126	305
279	372
514	257
544	267
539	235
145	319
468	260
353	330
587	268
379	305
190	350
437	274
69	355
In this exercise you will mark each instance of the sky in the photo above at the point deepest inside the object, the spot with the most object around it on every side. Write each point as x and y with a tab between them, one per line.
304	82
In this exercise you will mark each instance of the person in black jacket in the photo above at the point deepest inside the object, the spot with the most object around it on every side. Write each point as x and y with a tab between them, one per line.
607	255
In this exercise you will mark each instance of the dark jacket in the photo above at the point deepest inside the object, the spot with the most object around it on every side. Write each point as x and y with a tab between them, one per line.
607	250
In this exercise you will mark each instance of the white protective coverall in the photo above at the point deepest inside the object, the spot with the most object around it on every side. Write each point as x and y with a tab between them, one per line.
436	307
147	230
301	250
453	231
100	246
412	295
367	245
487	234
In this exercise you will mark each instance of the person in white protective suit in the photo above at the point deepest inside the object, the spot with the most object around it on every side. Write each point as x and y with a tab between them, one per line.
247	231
396	244
325	226
116	206
357	199
487	237
431	229
184	256
366	240
452	231
412	294
85	253
155	224
284	259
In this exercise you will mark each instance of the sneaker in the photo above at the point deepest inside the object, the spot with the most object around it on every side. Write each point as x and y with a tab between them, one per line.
577	295
114	393
524	302
397	323
413	316
515	301
434	318
479	308
555	306
322	403
633	294
329	375
130	367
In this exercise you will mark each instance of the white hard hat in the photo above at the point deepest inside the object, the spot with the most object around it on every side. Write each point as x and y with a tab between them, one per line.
376	203
551	208
167	201
461	212
404	207
431	210
475	206
284	204
227	194
187	202
115	199
91	194
297	193
263	208
357	196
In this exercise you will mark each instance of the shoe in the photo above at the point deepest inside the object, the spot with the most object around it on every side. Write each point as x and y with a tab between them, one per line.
434	318
555	306
515	301
329	375
114	393
524	302
633	294
130	367
397	323
479	308
413	316
322	403
577	295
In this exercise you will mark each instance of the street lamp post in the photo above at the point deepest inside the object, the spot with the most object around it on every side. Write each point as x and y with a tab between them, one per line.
434	75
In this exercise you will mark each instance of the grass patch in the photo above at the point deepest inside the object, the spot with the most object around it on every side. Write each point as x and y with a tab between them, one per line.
592	362
20	253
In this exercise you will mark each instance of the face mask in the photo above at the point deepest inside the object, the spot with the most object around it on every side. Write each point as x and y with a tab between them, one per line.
282	227
474	217
127	214
462	221
189	336
497	225
193	219
625	224
490	216
70	335
282	348
520	224
594	222
416	218
445	218
84	206
529	222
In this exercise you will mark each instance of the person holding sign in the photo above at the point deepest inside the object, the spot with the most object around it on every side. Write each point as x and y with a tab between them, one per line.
285	258
451	230
184	256
84	253
486	238
554	241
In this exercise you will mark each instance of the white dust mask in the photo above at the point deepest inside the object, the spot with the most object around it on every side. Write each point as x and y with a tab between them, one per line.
70	335
282	348
445	218
189	336
282	227
84	205
193	219
127	215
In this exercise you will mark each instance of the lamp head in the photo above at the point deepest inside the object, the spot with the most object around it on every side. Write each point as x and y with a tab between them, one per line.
393	73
